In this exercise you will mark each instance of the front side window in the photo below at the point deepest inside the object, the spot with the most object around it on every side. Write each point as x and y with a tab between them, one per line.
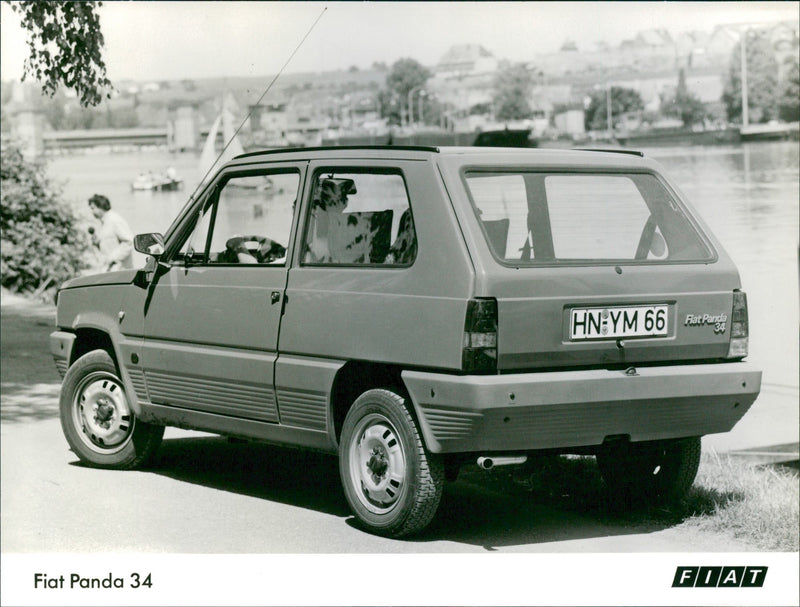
359	219
247	220
533	217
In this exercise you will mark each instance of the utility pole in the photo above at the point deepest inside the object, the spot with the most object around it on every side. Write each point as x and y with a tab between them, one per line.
609	117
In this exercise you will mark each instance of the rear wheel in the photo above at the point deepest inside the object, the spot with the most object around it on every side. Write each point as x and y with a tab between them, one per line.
97	419
392	484
659	472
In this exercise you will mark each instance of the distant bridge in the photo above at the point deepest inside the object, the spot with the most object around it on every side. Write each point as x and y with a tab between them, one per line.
112	137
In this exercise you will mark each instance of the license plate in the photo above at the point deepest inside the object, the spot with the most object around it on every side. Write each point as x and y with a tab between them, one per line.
614	323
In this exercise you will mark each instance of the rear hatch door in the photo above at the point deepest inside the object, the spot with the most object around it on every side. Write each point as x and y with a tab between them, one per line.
597	267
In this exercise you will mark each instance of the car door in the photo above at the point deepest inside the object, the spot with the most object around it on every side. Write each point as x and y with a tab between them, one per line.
212	312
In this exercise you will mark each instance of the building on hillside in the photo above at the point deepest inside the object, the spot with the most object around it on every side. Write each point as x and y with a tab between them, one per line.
357	109
465	95
650	50
782	34
658	38
692	49
721	43
466	60
271	116
288	121
463	82
269	120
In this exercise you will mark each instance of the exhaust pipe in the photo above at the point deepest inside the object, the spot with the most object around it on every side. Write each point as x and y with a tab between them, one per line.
489	462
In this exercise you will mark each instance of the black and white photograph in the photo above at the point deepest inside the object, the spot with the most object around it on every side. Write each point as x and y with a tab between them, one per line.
399	303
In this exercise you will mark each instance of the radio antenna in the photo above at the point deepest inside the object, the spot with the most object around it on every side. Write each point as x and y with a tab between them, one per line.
266	90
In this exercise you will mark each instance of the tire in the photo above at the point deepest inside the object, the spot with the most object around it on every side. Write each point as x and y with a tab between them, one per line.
393	485
97	419
659	472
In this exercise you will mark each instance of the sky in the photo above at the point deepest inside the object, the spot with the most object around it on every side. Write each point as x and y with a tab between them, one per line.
176	40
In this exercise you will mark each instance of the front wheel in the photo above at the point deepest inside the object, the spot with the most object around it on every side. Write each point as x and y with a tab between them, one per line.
392	484
97	418
659	472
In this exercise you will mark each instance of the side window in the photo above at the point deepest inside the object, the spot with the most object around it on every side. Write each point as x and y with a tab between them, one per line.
194	247
360	219
252	221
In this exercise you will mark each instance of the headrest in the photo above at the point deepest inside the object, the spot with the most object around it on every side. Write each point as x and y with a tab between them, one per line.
334	192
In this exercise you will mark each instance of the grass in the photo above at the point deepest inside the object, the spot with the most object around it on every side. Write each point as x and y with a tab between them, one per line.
756	505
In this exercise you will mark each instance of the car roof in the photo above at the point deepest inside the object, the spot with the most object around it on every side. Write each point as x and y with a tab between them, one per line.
619	158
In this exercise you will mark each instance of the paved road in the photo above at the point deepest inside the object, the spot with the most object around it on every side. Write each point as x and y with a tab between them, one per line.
207	495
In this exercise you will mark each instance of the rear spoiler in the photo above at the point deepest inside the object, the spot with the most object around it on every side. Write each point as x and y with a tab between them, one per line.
612	151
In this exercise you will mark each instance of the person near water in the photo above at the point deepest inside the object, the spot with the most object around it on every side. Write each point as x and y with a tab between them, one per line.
113	238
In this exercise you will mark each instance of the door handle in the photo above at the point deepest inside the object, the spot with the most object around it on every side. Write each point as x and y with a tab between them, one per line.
275	297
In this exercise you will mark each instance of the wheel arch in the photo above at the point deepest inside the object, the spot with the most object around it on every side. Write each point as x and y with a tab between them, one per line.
355	378
95	335
92	338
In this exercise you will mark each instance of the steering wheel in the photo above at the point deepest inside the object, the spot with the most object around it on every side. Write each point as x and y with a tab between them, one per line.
254	249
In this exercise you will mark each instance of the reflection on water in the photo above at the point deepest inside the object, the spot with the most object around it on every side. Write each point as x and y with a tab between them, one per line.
747	194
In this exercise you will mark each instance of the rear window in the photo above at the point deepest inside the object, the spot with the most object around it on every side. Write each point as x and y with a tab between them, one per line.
535	217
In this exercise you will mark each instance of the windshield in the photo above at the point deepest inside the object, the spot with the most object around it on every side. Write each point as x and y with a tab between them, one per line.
536	217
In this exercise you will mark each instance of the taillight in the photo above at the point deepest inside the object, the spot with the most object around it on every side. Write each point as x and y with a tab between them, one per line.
739	328
480	336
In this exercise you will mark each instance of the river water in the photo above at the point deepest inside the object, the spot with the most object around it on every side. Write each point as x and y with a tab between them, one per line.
748	195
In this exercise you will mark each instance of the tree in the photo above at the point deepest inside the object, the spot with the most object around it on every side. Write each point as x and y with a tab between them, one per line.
40	243
789	102
65	48
404	76
512	90
623	100
684	104
762	80
389	106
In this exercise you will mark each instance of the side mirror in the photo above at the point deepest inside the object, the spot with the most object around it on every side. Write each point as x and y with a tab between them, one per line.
149	244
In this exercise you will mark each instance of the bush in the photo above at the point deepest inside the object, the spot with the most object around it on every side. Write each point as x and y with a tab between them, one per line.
40	243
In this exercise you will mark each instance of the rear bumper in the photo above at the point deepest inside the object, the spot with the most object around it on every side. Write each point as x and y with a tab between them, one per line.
559	410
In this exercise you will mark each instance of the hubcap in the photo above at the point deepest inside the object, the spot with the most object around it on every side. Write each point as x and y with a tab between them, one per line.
377	464
102	414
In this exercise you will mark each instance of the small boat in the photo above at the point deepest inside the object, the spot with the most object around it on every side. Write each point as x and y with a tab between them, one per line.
167	182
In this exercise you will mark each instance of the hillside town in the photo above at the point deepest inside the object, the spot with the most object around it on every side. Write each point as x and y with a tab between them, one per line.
678	82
